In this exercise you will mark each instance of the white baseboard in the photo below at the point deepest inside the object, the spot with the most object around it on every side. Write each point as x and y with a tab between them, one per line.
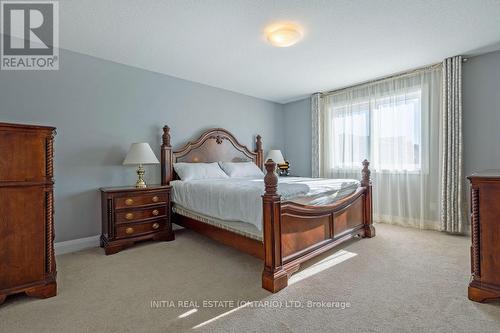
76	244
85	243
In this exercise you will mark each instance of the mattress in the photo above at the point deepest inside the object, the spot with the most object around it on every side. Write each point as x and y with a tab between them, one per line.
240	199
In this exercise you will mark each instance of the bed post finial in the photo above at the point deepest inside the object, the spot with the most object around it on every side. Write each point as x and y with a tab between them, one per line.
365	174
166	157
166	136
259	151
271	178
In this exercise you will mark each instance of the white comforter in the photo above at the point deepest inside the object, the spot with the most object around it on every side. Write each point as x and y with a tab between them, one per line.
239	199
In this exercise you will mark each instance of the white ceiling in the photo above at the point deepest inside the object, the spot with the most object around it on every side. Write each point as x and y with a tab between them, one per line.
220	42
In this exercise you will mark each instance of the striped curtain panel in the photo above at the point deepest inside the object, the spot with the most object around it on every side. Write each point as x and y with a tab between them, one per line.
315	121
452	184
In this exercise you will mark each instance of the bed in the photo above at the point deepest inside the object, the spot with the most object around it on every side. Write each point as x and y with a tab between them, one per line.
280	225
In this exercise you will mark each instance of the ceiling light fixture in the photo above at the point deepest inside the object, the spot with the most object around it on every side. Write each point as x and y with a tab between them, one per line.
283	34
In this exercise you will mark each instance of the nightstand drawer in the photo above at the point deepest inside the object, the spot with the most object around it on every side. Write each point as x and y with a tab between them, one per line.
132	230
140	200
127	216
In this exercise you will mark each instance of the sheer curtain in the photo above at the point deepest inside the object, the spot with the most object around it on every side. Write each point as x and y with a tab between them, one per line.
394	123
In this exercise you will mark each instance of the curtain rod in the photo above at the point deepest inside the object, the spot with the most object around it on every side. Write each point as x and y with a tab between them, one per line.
400	74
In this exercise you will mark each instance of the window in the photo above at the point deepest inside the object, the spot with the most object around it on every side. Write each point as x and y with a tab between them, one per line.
385	129
394	123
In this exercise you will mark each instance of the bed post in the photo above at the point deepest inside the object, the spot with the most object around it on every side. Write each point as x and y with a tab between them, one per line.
259	151
166	157
274	277
369	230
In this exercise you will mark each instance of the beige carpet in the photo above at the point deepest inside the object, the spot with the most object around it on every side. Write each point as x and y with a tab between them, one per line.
403	280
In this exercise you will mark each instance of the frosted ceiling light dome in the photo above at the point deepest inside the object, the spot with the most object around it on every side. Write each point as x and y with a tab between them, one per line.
283	34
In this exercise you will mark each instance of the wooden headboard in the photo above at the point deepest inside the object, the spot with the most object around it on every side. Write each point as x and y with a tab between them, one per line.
213	145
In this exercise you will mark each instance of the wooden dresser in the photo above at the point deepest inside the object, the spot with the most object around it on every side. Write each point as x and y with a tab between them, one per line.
27	262
132	214
485	249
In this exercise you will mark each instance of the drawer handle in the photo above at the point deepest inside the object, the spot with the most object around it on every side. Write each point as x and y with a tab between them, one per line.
156	212
156	226
155	199
129	202
129	216
129	231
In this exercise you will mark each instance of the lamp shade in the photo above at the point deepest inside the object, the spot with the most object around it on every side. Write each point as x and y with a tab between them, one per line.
276	156
140	153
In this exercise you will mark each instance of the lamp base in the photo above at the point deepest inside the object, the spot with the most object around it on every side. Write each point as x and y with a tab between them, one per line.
283	169
140	183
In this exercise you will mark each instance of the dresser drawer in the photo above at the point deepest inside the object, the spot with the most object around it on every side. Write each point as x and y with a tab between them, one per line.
132	230
128	215
140	200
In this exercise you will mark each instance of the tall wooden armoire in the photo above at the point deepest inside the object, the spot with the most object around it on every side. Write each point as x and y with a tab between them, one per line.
27	261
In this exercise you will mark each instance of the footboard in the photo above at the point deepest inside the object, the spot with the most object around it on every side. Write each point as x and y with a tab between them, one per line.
294	233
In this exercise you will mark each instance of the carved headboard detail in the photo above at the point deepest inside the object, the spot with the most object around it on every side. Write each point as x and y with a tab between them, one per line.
213	145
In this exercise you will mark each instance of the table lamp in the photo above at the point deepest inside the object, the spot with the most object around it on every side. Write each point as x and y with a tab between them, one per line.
276	156
139	154
282	165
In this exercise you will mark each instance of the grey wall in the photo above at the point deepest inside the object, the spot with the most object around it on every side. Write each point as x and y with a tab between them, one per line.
481	98
100	107
297	127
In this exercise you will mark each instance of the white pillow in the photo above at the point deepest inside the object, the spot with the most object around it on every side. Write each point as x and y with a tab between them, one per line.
241	169
193	171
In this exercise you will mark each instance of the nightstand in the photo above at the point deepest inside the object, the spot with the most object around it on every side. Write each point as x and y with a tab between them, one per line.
131	214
